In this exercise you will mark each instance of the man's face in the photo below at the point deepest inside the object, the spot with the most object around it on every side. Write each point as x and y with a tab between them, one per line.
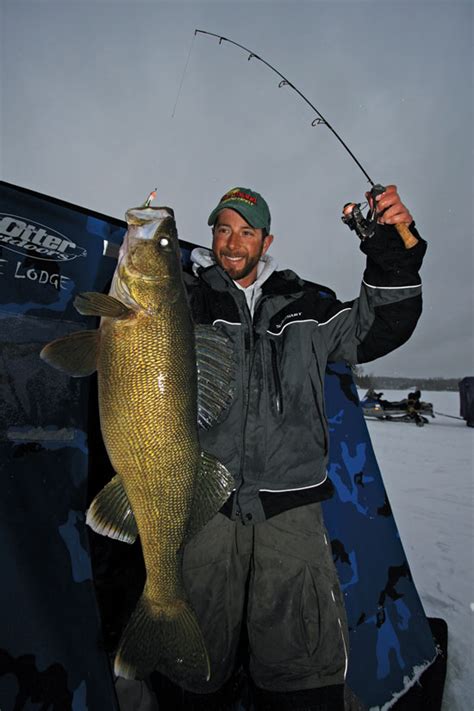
238	247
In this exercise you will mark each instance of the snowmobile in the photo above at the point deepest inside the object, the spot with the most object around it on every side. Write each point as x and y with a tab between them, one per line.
375	407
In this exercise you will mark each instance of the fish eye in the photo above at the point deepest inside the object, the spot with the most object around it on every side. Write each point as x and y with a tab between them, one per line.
164	242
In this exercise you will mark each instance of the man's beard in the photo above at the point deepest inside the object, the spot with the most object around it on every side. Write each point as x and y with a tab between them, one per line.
239	272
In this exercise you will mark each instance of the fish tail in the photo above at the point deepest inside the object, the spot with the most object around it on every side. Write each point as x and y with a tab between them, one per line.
162	636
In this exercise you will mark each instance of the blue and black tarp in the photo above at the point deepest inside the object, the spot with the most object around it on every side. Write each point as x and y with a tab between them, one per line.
50	639
60	616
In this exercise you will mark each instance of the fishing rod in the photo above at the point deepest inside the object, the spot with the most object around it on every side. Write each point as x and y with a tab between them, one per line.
320	120
352	215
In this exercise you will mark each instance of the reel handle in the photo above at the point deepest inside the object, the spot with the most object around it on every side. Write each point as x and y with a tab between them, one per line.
409	240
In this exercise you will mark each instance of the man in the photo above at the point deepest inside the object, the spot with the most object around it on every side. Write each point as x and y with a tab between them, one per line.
414	406
263	565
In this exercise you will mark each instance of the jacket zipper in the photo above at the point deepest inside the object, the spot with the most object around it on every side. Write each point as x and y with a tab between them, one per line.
247	350
276	380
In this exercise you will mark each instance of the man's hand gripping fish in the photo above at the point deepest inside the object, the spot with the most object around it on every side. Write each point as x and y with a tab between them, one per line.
165	488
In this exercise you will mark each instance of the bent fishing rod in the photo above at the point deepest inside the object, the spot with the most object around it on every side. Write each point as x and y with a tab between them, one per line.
352	215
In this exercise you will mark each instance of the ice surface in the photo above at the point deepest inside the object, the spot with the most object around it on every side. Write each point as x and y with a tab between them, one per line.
428	474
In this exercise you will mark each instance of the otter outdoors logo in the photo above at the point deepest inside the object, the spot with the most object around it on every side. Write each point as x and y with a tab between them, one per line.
31	238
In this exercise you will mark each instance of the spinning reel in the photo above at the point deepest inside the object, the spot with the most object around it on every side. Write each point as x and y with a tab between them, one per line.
352	215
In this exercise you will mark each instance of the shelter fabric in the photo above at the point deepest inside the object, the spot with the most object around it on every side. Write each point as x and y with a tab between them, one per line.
50	639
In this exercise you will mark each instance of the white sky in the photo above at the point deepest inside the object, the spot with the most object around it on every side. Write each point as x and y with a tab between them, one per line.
86	102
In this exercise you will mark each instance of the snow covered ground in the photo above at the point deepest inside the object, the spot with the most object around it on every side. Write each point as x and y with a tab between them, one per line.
428	474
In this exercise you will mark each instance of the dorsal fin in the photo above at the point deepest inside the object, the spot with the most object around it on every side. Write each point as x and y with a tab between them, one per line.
216	374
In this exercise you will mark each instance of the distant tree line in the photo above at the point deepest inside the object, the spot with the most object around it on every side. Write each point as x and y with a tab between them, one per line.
380	382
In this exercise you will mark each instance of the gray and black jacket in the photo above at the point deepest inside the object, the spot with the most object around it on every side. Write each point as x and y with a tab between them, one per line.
274	437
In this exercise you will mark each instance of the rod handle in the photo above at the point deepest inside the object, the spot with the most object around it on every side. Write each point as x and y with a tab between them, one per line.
409	239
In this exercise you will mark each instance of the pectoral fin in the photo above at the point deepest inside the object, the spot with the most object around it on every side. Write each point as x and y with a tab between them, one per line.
216	373
91	303
75	354
214	484
110	513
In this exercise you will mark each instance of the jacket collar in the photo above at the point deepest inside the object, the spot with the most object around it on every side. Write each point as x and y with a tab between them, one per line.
215	277
283	283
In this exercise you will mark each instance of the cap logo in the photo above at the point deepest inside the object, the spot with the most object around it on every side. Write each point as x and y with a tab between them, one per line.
248	203
239	195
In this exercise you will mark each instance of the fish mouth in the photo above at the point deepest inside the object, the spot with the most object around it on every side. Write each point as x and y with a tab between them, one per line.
143	216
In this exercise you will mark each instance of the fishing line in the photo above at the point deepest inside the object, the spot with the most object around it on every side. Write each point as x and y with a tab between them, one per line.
319	120
184	72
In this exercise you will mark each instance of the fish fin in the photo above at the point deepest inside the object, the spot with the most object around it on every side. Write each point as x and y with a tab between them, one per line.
162	636
110	513
216	374
214	485
91	303
75	354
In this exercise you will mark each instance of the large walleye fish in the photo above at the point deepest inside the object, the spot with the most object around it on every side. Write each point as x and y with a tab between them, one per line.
165	488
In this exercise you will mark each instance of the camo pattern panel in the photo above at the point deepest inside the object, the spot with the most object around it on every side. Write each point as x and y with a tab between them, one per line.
390	638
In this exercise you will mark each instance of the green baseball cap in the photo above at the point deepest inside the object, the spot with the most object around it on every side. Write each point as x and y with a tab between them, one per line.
249	204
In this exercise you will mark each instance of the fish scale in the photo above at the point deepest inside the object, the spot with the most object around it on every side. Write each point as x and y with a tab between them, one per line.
167	447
